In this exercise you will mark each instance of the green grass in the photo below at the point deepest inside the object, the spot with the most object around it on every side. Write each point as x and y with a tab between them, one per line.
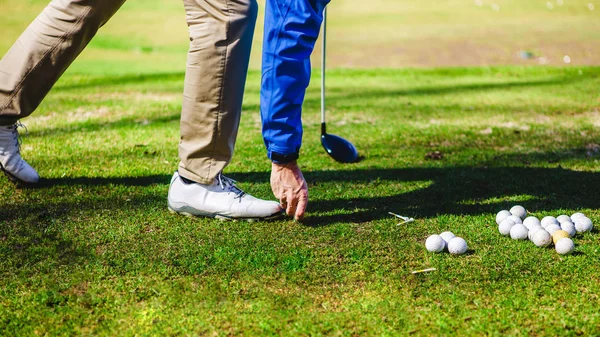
93	251
151	35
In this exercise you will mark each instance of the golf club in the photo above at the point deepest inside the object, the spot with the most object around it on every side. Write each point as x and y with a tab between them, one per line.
337	147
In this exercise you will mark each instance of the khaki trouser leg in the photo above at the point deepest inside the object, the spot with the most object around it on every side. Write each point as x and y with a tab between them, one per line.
45	50
220	40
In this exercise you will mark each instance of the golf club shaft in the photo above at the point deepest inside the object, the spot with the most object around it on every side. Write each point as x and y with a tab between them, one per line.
323	49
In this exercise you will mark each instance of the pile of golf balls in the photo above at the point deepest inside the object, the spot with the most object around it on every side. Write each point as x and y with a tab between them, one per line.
516	224
446	241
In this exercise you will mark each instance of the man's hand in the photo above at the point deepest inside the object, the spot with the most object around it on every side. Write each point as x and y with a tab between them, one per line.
289	186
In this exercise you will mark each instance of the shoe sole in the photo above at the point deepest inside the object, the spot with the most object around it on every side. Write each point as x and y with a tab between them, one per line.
191	212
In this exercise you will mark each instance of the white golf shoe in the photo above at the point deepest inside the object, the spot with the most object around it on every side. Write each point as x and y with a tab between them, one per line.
221	200
11	162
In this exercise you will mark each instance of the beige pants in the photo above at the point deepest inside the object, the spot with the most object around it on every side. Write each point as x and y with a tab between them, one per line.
220	39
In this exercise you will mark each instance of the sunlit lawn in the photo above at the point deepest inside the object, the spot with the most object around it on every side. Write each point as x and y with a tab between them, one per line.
93	250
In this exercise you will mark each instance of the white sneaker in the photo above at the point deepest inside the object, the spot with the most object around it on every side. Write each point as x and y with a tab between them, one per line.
221	200
10	157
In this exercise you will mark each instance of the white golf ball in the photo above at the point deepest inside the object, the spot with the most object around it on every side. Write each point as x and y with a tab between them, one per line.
576	216
457	246
503	214
533	230
569	227
541	238
435	243
564	246
531	221
515	219
505	226
518	232
447	236
519	211
552	228
583	224
562	218
548	220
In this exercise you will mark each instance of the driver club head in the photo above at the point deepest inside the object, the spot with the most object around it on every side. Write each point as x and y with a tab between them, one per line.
339	149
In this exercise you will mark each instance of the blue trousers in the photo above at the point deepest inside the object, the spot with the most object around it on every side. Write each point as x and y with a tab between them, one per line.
291	30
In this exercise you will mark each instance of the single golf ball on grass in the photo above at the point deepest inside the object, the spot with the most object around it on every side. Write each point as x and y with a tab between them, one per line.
457	246
505	226
564	246
518	232
583	224
503	214
541	238
531	221
519	211
435	243
562	218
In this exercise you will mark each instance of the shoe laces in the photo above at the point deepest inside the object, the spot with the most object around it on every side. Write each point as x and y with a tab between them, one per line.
16	137
229	185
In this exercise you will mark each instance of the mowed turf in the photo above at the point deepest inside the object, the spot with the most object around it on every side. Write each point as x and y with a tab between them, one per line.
93	250
152	34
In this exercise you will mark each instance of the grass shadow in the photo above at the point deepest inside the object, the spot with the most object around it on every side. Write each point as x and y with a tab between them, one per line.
32	241
452	190
463	191
88	181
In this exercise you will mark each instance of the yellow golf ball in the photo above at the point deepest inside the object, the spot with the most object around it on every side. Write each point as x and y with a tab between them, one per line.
559	234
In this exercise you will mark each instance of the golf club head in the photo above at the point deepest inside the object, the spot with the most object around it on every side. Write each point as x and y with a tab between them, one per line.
339	149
